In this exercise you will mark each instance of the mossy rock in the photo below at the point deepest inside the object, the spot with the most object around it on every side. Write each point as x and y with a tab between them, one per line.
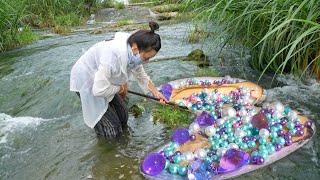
136	110
168	8
167	16
198	56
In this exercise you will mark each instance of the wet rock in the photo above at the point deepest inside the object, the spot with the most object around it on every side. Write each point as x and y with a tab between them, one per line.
168	8
198	56
166	16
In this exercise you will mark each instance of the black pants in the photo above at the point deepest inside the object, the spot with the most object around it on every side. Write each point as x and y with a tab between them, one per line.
114	119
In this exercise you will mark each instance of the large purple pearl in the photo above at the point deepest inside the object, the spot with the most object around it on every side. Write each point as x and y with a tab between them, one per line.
289	142
298	128
260	160
192	137
296	123
299	133
288	136
280	132
308	124
278	147
283	121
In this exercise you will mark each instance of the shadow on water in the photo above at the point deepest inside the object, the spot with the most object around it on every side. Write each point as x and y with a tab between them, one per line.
43	136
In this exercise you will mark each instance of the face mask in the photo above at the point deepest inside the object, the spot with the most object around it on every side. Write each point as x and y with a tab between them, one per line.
134	60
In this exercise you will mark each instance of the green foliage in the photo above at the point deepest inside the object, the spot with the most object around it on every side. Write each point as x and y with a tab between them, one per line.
207	72
171	116
197	34
283	35
119	5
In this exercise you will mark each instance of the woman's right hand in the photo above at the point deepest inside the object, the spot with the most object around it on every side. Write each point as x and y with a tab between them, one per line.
123	90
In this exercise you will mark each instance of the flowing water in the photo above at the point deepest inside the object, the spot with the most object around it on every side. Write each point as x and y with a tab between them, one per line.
43	135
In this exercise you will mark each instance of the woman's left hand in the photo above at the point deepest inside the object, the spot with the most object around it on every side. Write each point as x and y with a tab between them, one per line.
163	99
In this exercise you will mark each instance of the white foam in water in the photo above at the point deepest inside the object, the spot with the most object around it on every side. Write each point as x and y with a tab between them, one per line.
10	124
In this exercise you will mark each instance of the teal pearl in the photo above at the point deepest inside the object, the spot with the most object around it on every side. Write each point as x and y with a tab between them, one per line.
293	131
168	153
224	144
248	133
268	115
215	146
167	164
228	129
229	125
238	140
214	158
290	125
175	145
210	138
203	108
273	128
274	141
254	131
250	126
251	144
244	146
231	134
236	129
177	159
263	141
262	147
212	113
214	143
231	139
207	158
254	153
224	136
273	134
271	149
268	144
287	110
173	168
281	141
216	136
168	148
263	154
194	109
183	170
279	126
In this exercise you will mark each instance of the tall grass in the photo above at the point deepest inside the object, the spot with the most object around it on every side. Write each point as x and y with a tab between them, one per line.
283	35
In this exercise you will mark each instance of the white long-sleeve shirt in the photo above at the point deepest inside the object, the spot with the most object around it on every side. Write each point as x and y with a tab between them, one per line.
99	73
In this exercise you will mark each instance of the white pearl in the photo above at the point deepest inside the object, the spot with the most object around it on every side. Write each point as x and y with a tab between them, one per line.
176	86
188	155
229	112
252	113
293	114
189	104
277	106
276	115
246	119
210	130
243	112
205	90
264	133
240	133
233	146
200	153
194	127
182	84
266	105
220	121
221	151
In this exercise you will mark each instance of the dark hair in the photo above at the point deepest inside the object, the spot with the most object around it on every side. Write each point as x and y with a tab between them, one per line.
146	40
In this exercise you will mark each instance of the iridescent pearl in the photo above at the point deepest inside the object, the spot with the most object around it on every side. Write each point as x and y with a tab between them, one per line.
188	155
265	106
221	151
233	146
194	127
276	115
228	112
264	133
200	153
220	121
210	130
240	133
277	106
293	114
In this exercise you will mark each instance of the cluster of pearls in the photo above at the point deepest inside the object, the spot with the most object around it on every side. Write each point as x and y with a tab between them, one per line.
204	83
232	129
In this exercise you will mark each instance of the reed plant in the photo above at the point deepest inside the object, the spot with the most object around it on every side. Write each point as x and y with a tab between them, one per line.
283	35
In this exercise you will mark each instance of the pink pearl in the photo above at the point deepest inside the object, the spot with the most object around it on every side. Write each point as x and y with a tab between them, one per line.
235	125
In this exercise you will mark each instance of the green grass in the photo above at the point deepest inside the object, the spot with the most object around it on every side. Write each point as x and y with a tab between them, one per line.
197	34
171	116
283	35
207	72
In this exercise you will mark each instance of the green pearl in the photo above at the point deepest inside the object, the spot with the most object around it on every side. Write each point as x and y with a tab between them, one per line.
183	170
173	168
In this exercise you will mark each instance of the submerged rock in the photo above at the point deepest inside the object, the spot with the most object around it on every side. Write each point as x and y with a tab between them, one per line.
198	56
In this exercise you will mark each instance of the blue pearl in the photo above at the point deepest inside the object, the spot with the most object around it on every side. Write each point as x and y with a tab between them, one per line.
173	168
